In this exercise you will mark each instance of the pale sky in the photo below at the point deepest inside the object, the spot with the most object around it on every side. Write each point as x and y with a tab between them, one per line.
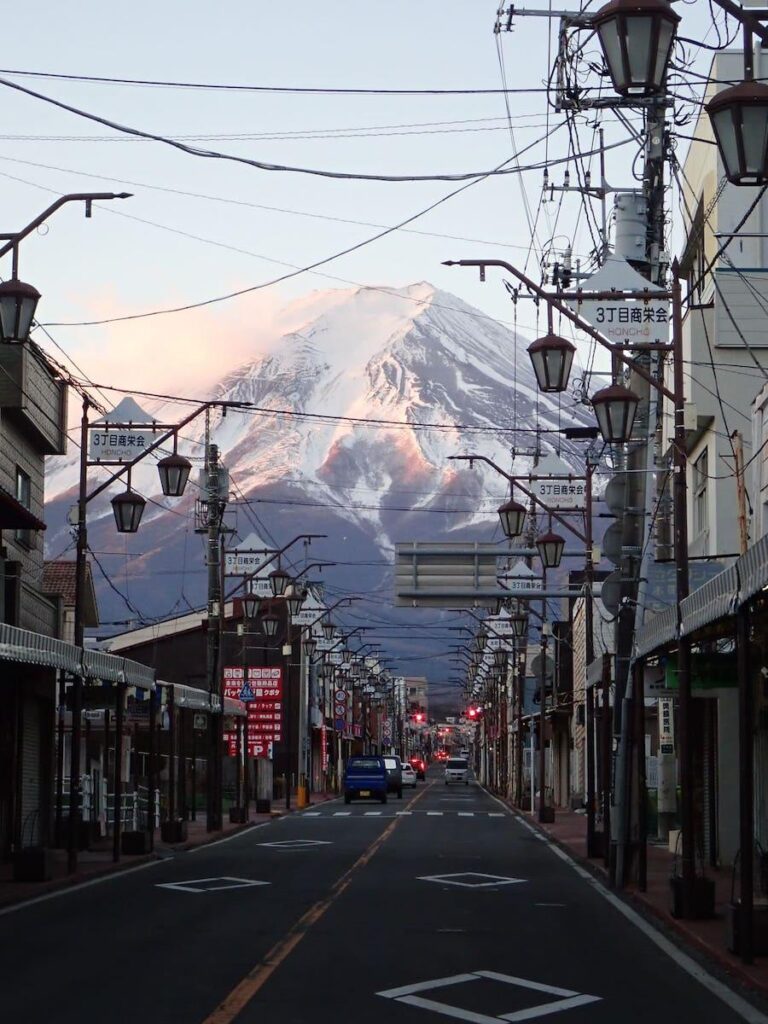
114	265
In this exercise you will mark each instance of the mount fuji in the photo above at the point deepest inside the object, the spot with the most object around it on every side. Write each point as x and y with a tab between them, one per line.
352	416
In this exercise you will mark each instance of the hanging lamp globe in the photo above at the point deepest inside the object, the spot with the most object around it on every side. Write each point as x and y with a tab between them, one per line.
481	640
174	473
128	509
309	646
328	628
499	658
294	599
270	624
512	516
739	118
519	626
550	547
615	408
636	37
278	581
18	302
250	606
552	358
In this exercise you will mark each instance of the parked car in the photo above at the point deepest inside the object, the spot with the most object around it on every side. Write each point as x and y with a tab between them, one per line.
457	770
394	768
419	765
365	778
409	775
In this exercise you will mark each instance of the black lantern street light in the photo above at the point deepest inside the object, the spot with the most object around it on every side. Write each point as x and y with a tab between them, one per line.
550	547
174	473
128	509
500	658
552	357
739	117
18	302
328	629
615	408
278	581
636	37
481	640
270	624
519	626
250	605
309	645
295	599
512	516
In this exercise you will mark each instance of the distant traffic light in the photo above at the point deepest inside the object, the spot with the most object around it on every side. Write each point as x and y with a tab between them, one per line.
419	717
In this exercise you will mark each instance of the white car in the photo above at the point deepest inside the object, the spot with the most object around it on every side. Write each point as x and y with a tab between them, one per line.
409	775
457	770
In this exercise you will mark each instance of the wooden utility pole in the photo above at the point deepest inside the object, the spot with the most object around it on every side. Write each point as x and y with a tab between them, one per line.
741	491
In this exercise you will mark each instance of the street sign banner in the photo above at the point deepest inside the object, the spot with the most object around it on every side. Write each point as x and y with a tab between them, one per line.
520	577
554	483
626	322
118	436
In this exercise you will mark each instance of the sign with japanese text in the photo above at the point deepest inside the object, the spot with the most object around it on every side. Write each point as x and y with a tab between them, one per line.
111	444
666	726
626	322
555	484
264	703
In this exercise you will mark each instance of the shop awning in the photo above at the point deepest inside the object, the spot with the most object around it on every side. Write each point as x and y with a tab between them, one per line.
235	707
14	516
29	648
715	600
660	630
191	696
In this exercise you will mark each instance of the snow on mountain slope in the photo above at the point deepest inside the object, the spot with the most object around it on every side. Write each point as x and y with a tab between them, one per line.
396	359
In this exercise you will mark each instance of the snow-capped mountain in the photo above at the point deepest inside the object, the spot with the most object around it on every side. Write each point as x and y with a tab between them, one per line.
352	416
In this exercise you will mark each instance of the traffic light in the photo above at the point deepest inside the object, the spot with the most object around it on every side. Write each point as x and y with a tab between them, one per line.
419	717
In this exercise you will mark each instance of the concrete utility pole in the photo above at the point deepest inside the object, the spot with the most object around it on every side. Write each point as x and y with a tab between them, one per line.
215	618
636	549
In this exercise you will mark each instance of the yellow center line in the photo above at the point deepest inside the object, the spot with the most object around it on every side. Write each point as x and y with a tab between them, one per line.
255	979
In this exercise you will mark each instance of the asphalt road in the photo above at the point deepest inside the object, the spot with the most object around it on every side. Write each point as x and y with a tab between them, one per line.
441	906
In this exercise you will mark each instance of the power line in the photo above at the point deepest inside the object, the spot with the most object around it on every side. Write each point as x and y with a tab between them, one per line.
226	87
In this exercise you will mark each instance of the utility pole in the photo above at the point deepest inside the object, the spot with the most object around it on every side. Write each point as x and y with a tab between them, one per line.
215	616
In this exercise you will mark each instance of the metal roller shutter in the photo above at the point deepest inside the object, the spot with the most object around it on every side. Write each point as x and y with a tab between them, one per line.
31	776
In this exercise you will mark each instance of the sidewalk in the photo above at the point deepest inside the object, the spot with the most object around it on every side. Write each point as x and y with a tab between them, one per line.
705	937
97	862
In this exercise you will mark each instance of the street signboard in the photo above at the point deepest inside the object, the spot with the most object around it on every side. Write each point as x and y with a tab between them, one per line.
443	575
627	322
262	691
521	578
114	438
554	483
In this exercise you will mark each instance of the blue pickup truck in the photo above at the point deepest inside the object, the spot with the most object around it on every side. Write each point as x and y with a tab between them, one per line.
365	778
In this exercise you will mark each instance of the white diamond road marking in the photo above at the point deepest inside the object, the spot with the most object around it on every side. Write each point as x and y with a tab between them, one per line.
297	844
488	880
567	998
196	884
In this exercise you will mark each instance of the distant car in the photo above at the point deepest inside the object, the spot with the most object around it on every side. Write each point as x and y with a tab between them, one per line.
394	767
457	770
365	778
442	755
464	753
409	775
419	766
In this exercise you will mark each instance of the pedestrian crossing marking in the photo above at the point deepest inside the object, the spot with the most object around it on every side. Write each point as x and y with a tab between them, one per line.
311	814
341	814
434	814
372	814
402	814
496	814
466	814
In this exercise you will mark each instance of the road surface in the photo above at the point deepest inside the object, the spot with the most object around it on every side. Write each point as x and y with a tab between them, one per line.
439	907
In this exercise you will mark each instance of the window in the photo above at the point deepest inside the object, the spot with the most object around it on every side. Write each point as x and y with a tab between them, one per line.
700	480
24	497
